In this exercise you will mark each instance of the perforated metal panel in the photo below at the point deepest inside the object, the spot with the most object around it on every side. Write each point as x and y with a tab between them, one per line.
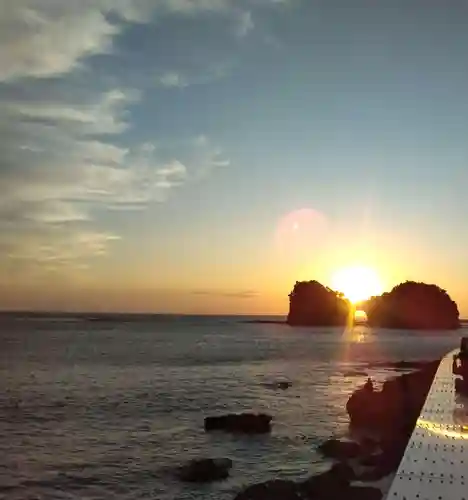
435	463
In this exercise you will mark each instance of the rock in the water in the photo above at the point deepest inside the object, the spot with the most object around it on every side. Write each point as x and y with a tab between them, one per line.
329	485
340	450
248	423
362	493
280	384
395	408
276	489
205	470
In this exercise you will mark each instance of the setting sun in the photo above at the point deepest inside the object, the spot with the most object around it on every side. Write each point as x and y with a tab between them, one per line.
357	283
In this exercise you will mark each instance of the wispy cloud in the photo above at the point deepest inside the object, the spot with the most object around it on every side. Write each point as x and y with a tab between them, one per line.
233	294
245	24
185	78
61	165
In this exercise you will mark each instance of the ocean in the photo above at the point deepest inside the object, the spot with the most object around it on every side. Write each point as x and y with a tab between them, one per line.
108	409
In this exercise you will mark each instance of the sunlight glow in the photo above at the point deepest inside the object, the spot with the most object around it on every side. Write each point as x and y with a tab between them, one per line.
360	316
357	283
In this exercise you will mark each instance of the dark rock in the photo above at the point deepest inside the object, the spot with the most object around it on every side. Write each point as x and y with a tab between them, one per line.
362	493
248	423
340	450
205	470
413	305
280	384
329	485
276	489
312	304
395	409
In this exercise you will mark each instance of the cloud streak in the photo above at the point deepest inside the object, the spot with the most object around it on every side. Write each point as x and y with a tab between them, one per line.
230	294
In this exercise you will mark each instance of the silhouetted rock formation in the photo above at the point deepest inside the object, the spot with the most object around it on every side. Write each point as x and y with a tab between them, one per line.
280	384
334	484
247	423
312	304
205	470
340	450
390	414
413	305
397	406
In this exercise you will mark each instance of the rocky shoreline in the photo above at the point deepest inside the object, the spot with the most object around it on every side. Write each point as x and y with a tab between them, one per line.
381	423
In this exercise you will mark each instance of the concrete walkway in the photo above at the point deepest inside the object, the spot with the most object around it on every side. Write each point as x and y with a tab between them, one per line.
435	463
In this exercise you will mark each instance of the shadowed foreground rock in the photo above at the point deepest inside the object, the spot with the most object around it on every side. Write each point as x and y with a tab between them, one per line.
394	409
205	470
390	414
246	423
340	450
334	484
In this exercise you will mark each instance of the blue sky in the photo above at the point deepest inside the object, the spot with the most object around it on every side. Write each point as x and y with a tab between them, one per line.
153	149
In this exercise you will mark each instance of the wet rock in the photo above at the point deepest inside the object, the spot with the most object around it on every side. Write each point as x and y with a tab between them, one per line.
280	384
276	489
394	409
205	470
330	484
340	450
362	493
248	423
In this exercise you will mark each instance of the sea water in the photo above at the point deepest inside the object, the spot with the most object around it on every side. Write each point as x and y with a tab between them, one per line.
109	409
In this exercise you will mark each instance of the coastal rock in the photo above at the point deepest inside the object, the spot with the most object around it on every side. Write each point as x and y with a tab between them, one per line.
205	470
363	493
412	305
394	409
332	484
247	423
340	450
280	384
312	304
276	489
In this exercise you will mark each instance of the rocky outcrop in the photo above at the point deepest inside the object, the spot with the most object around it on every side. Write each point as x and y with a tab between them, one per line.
340	450
312	304
396	407
279	384
205	470
246	423
334	484
413	305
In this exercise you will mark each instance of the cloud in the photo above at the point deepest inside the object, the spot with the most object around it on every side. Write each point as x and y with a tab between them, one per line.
172	79
43	38
184	78
63	163
245	24
233	294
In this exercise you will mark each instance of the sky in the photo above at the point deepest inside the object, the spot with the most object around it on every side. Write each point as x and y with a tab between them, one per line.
200	156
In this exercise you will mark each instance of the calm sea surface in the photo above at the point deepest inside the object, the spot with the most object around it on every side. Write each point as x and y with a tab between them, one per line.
108	409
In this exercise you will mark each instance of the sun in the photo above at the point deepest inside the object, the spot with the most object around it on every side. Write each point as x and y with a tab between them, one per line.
357	283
